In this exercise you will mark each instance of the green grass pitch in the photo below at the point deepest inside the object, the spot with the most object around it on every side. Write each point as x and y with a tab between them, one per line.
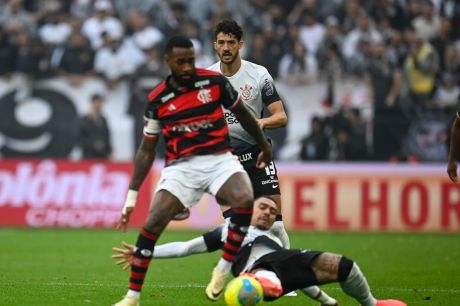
73	267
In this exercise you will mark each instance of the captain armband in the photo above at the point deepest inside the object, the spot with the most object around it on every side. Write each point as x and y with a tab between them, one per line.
152	128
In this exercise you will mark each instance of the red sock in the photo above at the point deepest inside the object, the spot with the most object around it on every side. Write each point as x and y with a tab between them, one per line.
141	258
237	229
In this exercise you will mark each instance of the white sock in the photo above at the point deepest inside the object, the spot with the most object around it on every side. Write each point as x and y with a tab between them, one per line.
269	275
133	294
279	231
224	265
316	293
357	287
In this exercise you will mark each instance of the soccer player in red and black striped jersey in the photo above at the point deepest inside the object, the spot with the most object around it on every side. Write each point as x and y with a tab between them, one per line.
187	109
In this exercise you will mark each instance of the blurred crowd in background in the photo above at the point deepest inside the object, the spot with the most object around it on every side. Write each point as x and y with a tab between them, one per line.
407	51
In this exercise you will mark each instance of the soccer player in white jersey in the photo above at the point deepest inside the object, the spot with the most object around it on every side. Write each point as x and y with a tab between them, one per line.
257	90
277	269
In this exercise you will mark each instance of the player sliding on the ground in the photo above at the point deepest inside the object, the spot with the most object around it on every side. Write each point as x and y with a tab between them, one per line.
278	270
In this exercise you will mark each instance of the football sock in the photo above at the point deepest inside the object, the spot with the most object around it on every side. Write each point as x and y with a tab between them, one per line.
355	283
227	214
180	249
317	294
279	231
237	229
141	259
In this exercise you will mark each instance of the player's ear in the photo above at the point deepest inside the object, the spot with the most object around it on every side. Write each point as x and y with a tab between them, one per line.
241	44
215	45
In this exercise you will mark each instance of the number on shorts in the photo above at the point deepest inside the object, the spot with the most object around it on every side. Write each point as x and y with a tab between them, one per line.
270	169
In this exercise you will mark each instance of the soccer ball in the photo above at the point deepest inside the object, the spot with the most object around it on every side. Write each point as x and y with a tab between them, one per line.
244	290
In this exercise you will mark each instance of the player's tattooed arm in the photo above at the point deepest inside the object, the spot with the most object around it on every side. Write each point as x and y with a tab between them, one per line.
145	156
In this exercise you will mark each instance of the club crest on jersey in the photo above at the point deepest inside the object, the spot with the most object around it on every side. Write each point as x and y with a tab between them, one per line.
247	93
204	95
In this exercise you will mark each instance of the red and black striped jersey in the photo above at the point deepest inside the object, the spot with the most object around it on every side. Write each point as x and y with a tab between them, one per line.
191	119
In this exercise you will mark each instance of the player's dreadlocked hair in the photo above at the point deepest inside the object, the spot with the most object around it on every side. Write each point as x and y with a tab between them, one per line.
178	42
229	27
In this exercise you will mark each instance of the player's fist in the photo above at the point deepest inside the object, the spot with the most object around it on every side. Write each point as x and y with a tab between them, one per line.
265	157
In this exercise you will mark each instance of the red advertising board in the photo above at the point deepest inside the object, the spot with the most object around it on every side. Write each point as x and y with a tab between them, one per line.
370	197
54	193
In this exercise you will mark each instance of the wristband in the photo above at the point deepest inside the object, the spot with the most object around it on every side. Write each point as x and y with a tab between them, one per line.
130	201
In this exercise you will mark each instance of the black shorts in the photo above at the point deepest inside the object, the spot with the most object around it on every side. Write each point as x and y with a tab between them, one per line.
291	266
264	181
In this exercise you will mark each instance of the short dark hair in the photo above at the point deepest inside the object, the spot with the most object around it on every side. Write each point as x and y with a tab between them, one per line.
229	27
178	42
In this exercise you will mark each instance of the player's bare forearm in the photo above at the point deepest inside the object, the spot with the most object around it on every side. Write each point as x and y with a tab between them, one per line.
145	156
278	117
250	125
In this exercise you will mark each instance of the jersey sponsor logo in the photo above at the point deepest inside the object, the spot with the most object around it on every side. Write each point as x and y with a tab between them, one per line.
167	97
192	126
268	88
245	157
204	95
202	83
270	181
230	118
247	93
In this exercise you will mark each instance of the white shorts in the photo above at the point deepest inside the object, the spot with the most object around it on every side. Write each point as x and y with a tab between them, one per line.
187	180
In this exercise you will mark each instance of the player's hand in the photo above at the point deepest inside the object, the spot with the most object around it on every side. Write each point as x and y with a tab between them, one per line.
265	157
124	255
124	219
452	171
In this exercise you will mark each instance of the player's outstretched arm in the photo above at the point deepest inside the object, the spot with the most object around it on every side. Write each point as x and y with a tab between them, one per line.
180	248
453	150
250	124
167	250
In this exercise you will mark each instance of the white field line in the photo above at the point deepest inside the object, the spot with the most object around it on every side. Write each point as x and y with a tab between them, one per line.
175	286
